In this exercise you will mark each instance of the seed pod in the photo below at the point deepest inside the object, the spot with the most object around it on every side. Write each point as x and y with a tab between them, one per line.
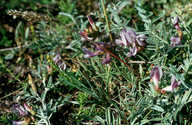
30	80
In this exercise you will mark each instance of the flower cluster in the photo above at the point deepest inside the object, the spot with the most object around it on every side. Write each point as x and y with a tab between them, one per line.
23	112
87	35
130	38
176	40
156	74
57	60
29	15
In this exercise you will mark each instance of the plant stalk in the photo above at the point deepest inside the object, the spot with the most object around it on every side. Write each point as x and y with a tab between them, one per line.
106	18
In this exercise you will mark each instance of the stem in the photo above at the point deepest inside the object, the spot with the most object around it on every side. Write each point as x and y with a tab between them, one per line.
11	93
175	57
130	69
14	48
14	76
108	26
148	113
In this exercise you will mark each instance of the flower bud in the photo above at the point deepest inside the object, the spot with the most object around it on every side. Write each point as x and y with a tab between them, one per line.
33	86
29	109
92	23
156	74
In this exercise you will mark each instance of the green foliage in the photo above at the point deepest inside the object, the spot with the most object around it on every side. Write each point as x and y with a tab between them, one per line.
67	9
87	91
5	119
5	41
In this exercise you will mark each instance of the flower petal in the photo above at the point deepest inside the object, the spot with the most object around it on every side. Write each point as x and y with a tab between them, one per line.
19	110
160	72
62	65
84	37
175	20
173	79
171	87
18	122
140	38
175	41
90	54
130	36
168	88
119	42
156	74
133	51
124	41
107	59
57	58
29	109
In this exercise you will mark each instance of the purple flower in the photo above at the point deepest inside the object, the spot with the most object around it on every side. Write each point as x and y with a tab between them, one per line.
176	21
61	64
176	25
127	37
140	39
107	59
171	87
48	68
89	53
156	74
130	35
57	58
29	109
175	41
133	51
19	123
122	41
19	110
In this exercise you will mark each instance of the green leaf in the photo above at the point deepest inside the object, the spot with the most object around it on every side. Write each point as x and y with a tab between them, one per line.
186	96
10	55
142	122
189	22
159	16
118	120
108	116
70	16
158	108
141	70
26	32
100	120
140	9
